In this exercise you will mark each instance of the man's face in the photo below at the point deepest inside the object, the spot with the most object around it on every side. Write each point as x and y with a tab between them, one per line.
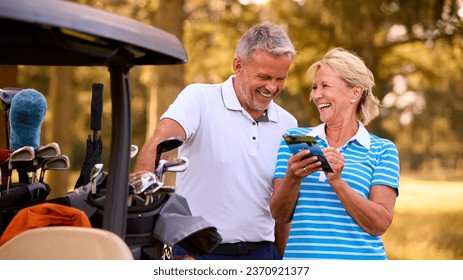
259	79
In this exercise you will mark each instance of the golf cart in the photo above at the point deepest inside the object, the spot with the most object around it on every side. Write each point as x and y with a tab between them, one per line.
62	33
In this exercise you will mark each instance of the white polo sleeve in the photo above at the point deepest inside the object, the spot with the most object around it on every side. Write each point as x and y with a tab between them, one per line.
186	109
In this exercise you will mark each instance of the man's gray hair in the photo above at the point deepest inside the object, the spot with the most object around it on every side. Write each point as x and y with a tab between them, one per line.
265	36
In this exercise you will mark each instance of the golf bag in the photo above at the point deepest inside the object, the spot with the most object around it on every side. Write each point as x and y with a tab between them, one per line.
29	109
157	218
151	228
141	220
19	196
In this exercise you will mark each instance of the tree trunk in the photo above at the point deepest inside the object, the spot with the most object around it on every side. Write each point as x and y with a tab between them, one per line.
59	116
167	80
8	78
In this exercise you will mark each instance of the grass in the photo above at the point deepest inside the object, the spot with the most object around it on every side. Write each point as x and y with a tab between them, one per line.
428	221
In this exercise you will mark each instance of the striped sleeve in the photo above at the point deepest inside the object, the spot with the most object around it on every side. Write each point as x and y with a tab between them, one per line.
387	170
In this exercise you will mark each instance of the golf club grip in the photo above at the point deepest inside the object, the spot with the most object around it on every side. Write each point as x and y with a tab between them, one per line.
97	107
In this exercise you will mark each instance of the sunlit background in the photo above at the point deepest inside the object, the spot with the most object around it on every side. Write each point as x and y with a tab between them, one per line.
414	49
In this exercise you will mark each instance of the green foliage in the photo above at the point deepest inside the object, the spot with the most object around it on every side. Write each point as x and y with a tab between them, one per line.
422	41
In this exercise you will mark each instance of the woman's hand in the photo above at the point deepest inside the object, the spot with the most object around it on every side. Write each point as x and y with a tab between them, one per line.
286	190
336	160
303	164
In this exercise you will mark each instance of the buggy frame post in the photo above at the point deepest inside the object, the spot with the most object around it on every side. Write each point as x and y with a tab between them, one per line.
115	214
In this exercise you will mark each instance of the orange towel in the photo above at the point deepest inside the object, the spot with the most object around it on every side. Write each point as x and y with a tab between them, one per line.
42	215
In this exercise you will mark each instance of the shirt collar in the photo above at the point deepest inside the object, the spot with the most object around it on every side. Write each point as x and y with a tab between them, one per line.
231	101
362	136
263	117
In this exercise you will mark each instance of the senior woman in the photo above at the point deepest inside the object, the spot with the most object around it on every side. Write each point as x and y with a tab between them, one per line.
340	214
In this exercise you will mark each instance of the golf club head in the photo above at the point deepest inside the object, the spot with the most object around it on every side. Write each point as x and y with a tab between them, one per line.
166	190
21	158
160	168
42	153
167	145
97	169
7	94
26	153
152	189
151	192
59	163
49	150
131	189
176	165
142	182
133	150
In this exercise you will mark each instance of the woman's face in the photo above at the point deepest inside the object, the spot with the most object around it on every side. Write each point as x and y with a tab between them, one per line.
333	98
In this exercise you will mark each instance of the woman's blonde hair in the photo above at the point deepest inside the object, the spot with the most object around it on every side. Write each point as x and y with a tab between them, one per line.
352	69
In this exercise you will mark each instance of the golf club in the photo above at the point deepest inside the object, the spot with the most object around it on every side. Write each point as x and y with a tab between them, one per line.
131	194
165	146
49	150
133	151
142	182
160	169
150	192
176	165
96	170
59	163
165	190
25	153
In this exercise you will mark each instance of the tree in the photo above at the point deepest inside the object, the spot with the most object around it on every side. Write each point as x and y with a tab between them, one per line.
167	80
60	100
420	41
8	78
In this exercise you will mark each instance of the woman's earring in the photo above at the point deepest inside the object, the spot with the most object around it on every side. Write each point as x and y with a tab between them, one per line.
352	101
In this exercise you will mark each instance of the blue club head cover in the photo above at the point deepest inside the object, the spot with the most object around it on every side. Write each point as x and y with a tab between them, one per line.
27	111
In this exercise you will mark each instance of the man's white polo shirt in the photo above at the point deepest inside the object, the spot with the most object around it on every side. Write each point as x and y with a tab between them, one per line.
232	160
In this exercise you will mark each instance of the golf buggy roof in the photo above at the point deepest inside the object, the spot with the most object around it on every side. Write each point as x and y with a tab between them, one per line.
53	32
63	33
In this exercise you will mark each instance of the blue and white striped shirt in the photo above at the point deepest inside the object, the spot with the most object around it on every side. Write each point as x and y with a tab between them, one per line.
321	227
